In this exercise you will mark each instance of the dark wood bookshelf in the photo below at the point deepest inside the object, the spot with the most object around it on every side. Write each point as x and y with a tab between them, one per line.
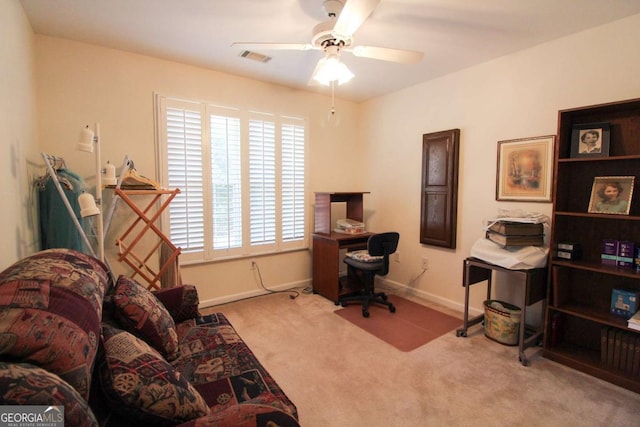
578	309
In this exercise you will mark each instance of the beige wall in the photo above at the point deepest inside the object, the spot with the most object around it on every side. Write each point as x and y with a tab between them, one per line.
18	143
516	96
80	84
377	147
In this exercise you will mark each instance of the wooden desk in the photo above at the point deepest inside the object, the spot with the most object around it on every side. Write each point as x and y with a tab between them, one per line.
326	262
534	283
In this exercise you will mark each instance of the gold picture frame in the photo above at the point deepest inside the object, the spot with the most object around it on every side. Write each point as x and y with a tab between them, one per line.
525	169
611	195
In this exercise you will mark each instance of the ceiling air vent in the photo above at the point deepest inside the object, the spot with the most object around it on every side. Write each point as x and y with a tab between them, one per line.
255	56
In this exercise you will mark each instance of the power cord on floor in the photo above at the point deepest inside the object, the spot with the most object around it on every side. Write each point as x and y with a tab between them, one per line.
293	294
412	281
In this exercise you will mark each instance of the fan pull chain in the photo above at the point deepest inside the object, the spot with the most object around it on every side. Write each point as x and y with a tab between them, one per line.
333	118
333	105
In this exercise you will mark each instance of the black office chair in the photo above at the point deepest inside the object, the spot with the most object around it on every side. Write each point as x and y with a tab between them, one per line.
374	261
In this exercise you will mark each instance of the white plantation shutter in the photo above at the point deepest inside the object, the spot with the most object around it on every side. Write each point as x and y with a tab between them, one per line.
226	182
262	182
293	181
241	176
184	167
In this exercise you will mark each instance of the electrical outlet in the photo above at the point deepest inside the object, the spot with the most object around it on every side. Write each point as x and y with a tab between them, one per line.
396	257
425	263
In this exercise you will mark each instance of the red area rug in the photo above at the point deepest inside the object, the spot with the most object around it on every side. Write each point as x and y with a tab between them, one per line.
411	326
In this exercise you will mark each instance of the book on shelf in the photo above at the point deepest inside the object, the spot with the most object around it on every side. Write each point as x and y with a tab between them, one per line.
635	368
611	339
624	348
510	240
631	354
516	228
604	340
620	350
626	252
634	321
634	326
617	344
610	248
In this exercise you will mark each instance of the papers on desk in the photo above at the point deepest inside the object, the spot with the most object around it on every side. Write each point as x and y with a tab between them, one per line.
341	231
514	258
349	226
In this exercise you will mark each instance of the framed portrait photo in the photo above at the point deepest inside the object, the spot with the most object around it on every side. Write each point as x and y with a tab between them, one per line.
525	169
611	195
590	140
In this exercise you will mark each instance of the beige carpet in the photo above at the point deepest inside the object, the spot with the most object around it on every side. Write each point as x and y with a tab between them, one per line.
338	375
411	326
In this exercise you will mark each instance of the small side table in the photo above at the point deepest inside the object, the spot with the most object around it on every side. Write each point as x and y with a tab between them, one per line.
534	283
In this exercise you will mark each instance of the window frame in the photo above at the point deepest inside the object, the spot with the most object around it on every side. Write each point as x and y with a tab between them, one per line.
208	254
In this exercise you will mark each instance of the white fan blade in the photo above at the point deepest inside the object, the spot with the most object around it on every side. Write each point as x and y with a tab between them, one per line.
273	46
387	54
352	16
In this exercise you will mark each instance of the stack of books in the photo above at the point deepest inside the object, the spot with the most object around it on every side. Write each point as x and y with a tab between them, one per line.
634	322
507	233
620	350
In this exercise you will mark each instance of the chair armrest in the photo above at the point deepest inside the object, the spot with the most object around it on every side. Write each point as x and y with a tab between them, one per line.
180	301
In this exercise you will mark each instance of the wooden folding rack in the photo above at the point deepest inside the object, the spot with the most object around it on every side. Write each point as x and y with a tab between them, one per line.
140	264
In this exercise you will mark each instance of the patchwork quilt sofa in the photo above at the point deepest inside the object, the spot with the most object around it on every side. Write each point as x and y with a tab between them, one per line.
116	354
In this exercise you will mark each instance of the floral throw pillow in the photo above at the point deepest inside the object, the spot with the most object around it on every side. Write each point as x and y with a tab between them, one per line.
138	383
180	301
140	312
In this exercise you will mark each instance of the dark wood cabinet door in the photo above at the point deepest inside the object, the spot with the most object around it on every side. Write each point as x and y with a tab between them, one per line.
439	207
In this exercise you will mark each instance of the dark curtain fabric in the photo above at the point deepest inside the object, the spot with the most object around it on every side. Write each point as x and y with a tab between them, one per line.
57	229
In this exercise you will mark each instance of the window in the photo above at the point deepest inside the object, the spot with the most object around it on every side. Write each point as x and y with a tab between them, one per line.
241	176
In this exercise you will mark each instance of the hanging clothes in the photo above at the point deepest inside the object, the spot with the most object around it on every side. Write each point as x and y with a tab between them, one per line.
57	229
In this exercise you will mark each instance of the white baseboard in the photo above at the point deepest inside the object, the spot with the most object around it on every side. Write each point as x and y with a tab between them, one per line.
392	285
254	293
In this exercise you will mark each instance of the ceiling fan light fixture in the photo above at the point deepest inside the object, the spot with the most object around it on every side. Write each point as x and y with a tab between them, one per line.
330	69
333	8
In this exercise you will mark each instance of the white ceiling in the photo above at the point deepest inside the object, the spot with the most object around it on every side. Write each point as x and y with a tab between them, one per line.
453	34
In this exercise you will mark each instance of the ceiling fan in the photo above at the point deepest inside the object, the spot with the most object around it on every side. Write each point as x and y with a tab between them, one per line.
335	36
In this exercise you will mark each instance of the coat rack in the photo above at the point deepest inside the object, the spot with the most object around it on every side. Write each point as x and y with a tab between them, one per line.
49	161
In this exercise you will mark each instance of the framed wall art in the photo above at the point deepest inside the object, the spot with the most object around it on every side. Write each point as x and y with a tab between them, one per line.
525	169
590	140
611	195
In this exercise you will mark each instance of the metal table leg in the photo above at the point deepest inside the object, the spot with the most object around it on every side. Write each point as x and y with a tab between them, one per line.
533	282
472	275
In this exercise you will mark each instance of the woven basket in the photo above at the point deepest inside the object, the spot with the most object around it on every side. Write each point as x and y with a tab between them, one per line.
502	324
